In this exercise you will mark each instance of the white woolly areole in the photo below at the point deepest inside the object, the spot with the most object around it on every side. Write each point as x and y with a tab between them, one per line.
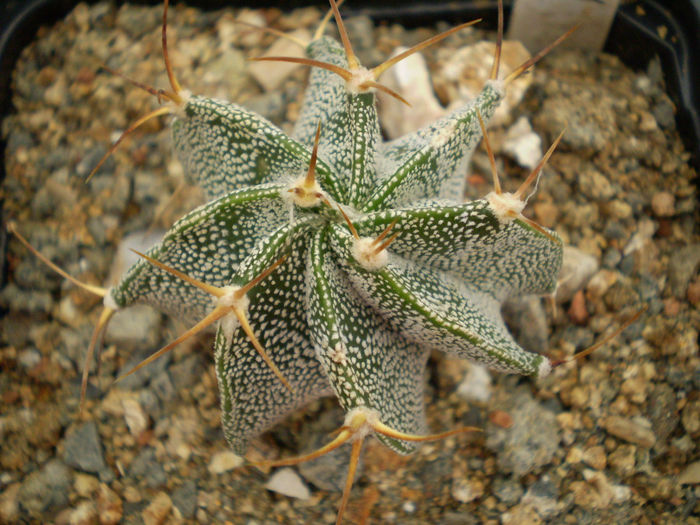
505	205
544	369
229	322
363	252
369	418
302	195
109	302
359	77
498	85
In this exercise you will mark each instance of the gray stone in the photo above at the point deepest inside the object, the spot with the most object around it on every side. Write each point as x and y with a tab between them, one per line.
681	268
185	499
163	387
83	448
531	441
146	466
508	490
543	495
577	269
46	489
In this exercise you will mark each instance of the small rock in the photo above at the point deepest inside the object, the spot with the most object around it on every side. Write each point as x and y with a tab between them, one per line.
462	75
410	78
286	481
186	372
630	430
528	321
508	490
601	282
578	313
109	506
271	76
595	457
521	515
622	460
577	268
464	490
523	144
690	417
146	466
597	492
46	489
546	213
595	185
543	495
85	513
158	511
663	204
224	461
86	485
532	440
135	417
476	385
681	268
691	474
185	499
83	449
247	36
9	503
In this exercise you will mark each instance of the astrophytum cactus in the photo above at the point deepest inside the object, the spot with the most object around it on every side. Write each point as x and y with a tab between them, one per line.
333	262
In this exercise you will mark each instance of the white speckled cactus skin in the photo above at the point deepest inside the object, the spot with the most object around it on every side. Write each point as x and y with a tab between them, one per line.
330	321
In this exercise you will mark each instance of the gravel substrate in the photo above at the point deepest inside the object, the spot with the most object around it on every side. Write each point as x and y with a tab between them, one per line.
611	439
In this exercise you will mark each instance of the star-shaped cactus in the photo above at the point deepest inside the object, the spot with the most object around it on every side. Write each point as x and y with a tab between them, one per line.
332	262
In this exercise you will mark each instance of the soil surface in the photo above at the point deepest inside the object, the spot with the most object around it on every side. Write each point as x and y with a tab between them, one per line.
612	438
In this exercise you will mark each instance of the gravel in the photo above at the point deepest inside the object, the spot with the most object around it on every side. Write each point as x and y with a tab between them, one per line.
612	438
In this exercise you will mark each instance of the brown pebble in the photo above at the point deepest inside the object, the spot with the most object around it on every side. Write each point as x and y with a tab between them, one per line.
629	430
109	506
577	311
693	292
159	509
501	419
663	204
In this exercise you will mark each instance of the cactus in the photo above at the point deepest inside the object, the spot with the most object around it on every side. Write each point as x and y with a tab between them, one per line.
332	262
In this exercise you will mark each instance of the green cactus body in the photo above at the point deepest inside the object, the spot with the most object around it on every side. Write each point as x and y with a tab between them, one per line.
335	317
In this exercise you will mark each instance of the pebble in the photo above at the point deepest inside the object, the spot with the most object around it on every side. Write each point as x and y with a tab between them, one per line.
46	489
109	506
476	385
521	515
523	144
508	490
691	474
136	328
622	460
463	73
185	499
410	78
524	446
637	431
82	449
146	466
577	269
690	417
681	268
543	496
597	492
527	319
224	461
270	78
595	185
466	490
158	510
286	481
595	457
136	419
663	204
